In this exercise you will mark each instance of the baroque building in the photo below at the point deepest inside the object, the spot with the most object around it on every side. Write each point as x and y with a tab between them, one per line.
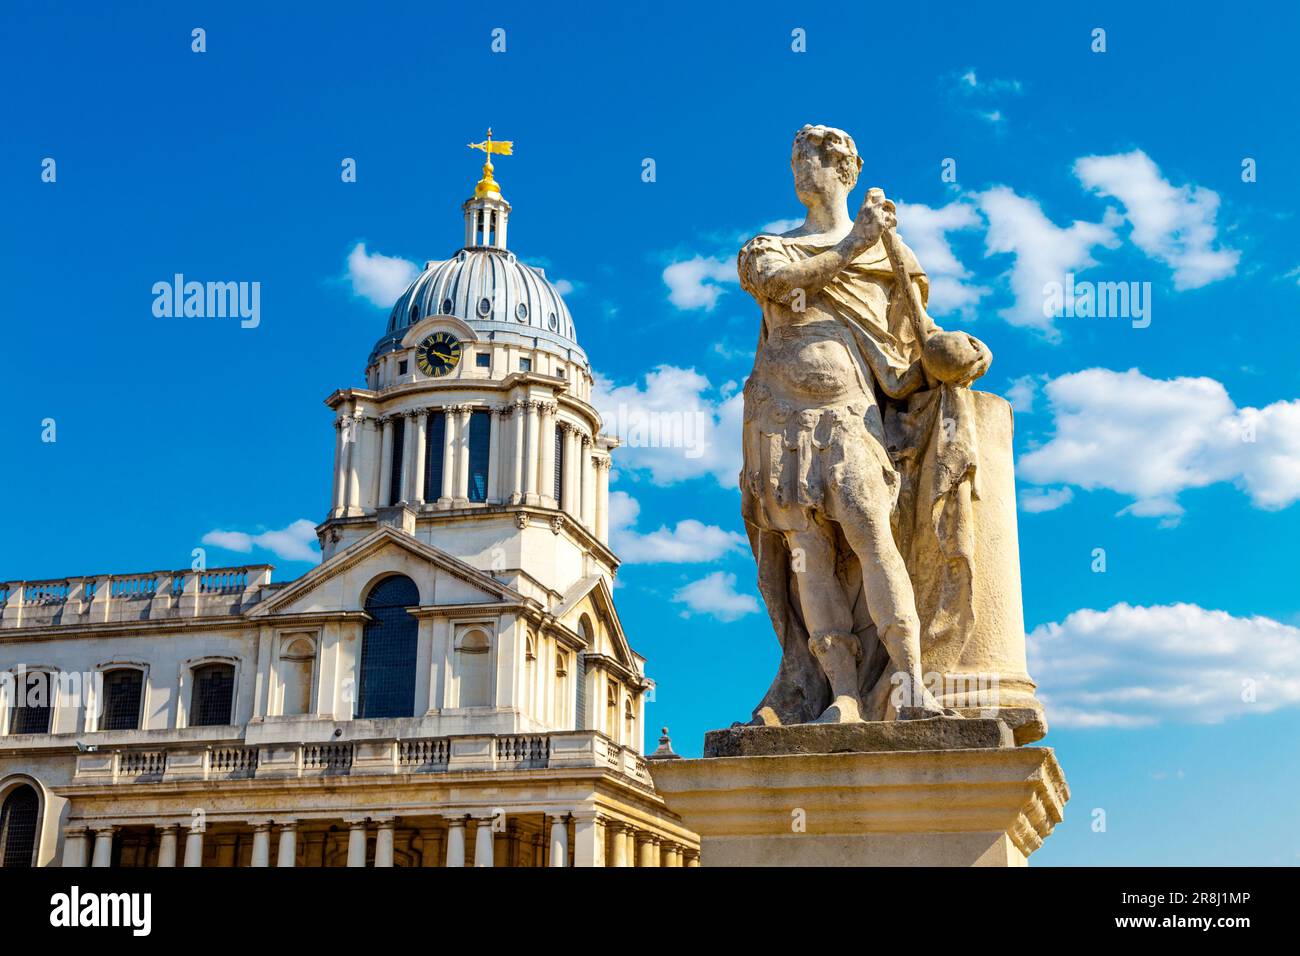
450	686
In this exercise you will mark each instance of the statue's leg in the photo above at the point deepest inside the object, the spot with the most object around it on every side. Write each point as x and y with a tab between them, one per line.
829	621
861	503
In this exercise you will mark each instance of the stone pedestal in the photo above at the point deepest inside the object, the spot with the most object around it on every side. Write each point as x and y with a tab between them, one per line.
959	795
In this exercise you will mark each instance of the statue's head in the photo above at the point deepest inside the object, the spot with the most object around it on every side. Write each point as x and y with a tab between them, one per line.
825	163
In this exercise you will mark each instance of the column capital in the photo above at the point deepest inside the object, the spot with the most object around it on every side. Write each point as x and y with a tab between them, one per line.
287	826
260	826
561	817
76	831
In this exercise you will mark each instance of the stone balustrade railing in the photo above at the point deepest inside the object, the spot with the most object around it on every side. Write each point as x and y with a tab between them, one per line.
107	598
188	761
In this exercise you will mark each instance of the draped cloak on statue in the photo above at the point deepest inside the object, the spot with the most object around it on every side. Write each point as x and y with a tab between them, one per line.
927	447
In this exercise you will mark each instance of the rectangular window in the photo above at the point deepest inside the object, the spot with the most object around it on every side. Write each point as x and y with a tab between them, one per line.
559	465
480	425
435	437
214	692
395	473
123	689
483	360
33	710
525	365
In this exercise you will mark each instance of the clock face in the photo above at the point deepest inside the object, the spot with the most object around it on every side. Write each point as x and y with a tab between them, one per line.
438	354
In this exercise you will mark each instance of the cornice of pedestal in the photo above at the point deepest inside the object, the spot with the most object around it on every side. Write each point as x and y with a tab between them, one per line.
1020	792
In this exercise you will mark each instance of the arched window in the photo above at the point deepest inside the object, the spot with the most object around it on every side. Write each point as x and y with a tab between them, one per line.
480	429
435	440
213	696
33	708
18	827
388	650
123	695
530	672
629	722
474	668
297	658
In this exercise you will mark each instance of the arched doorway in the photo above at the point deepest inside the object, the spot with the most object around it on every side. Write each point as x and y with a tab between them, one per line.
388	650
18	819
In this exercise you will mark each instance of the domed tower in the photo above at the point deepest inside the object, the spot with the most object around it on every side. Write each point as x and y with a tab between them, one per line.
475	432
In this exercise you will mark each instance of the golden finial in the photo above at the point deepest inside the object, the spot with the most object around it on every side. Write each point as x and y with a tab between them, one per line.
487	186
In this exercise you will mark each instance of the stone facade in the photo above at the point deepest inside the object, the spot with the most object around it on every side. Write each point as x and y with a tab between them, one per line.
249	726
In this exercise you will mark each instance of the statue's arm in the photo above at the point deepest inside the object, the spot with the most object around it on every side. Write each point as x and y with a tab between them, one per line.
776	278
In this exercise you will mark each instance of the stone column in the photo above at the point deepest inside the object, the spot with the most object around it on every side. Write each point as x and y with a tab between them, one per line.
352	462
420	436
261	845
588	839
548	455
588	485
194	846
75	846
408	460
168	839
456	841
463	413
602	498
494	457
340	485
356	843
519	429
103	846
693	858
618	843
484	851
384	843
559	839
287	852
385	462
630	834
447	491
573	473
649	850
531	452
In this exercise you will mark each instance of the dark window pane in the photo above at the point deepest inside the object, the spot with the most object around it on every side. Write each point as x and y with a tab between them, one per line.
122	692
35	705
435	438
395	473
18	828
580	697
559	465
480	425
388	650
214	692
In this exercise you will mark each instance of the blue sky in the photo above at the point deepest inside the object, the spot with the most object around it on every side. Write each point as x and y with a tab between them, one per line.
1173	446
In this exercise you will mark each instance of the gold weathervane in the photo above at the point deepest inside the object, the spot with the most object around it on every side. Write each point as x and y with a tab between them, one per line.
487	186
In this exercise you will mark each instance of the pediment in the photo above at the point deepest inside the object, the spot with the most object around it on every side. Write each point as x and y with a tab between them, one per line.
342	582
592	596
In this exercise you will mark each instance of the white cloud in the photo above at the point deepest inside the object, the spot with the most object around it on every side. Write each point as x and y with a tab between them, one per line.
1022	393
716	596
568	287
1153	438
1038	500
379	278
296	542
690	542
675	427
694	283
925	229
778	226
1044	252
1140	666
1175	225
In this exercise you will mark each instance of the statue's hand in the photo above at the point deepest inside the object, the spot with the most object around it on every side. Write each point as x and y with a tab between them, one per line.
876	215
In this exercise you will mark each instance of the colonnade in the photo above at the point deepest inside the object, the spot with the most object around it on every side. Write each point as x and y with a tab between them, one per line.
454	839
522	465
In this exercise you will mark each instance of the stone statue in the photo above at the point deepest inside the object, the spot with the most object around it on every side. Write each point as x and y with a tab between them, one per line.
862	462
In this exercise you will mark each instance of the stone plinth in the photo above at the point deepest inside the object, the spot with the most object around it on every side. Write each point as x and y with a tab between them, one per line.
974	806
